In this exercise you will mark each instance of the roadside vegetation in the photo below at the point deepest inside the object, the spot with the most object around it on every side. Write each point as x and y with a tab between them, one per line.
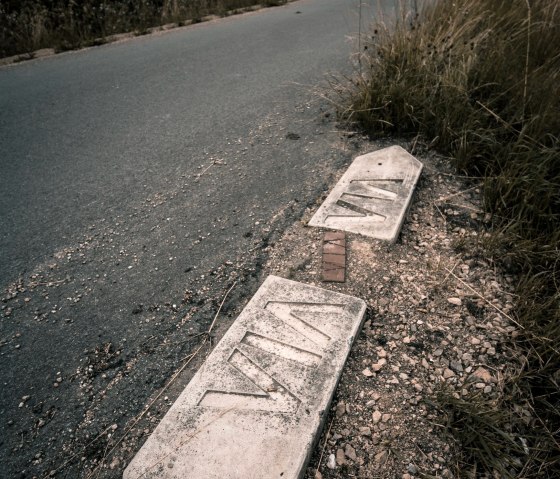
479	80
29	25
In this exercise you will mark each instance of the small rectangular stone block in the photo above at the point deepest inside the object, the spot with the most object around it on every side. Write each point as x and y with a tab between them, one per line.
334	256
334	275
335	236
372	197
333	248
257	404
334	260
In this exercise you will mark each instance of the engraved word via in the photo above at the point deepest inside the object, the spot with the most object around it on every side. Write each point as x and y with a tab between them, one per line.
271	395
364	197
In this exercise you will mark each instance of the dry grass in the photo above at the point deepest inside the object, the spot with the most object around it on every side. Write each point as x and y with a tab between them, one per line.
480	80
67	24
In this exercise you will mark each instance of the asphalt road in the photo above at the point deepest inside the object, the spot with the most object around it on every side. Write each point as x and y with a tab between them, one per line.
139	181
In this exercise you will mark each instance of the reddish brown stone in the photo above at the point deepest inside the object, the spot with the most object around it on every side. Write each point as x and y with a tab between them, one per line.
335	260
334	256
332	248
335	235
334	275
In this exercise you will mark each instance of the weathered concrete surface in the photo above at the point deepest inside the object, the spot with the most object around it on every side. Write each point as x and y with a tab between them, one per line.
372	197
254	408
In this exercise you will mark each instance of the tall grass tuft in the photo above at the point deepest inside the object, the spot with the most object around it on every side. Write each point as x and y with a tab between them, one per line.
480	79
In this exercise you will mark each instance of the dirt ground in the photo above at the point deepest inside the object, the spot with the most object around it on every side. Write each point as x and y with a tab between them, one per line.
437	323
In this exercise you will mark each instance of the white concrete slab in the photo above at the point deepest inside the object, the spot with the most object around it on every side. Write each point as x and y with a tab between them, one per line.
372	197
256	406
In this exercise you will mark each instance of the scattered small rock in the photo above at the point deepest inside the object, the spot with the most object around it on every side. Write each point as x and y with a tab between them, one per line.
381	457
340	457
340	409
447	373
412	469
365	431
482	374
350	453
377	366
456	366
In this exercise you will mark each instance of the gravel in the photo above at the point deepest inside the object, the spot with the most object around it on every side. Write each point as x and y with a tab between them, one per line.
429	327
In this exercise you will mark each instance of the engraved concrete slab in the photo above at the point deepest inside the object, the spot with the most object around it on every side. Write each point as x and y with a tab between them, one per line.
372	197
255	407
